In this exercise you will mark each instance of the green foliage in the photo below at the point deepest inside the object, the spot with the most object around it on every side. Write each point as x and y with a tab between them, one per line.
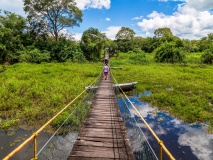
124	45
12	26
190	45
162	32
149	44
34	93
92	44
125	33
168	53
34	56
138	57
183	90
207	57
54	15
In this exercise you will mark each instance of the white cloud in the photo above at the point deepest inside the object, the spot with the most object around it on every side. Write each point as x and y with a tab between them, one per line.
112	31
187	22
199	142
13	6
107	19
99	4
77	36
137	18
17	5
200	4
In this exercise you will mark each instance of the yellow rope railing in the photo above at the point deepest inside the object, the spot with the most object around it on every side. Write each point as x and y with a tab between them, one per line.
35	134
160	142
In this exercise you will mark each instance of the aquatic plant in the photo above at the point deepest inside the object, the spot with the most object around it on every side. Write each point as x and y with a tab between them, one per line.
30	94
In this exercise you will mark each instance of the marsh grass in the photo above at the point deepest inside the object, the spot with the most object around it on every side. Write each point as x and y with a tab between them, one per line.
184	90
30	94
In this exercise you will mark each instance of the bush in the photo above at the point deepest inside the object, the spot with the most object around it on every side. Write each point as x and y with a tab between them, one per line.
207	57
138	57
35	56
168	53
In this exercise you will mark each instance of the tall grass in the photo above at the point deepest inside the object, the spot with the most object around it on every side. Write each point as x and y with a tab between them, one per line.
30	94
184	90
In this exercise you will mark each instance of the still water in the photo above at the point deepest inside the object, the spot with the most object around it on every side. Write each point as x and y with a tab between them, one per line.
185	142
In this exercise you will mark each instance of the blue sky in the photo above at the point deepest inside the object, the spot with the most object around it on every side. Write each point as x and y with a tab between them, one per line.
189	19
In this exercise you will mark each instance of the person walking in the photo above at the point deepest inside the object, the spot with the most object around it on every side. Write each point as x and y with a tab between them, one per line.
106	70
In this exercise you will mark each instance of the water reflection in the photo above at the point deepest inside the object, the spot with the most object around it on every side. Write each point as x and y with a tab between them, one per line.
58	148
182	140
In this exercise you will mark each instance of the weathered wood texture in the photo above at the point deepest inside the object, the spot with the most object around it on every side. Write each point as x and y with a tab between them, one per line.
102	135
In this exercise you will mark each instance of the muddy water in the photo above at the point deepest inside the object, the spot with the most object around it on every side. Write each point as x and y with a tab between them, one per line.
185	142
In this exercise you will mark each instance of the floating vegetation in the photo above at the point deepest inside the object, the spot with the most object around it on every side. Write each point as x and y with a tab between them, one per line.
30	94
185	91
160	119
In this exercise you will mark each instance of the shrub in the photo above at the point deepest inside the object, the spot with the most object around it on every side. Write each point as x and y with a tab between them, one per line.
168	53
35	56
207	57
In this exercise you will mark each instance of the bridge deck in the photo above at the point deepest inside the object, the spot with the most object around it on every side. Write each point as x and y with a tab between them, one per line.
102	135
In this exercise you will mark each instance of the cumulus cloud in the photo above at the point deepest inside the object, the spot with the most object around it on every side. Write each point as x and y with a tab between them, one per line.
107	19
137	18
200	4
99	4
112	31
188	22
77	36
199	142
17	5
12	6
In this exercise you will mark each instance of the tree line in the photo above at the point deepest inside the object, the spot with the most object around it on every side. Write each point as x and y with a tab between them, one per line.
39	38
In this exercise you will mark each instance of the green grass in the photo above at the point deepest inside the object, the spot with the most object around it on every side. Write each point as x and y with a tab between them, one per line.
31	94
184	90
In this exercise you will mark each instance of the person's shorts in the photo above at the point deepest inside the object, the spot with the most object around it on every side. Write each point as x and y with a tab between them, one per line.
105	73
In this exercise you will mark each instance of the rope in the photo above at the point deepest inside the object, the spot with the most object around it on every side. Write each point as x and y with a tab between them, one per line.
47	123
138	125
147	125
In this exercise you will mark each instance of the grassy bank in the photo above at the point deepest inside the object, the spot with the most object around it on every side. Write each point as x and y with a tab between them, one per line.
30	94
185	91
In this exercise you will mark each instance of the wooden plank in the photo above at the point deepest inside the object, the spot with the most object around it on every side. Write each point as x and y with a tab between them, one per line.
106	154
103	134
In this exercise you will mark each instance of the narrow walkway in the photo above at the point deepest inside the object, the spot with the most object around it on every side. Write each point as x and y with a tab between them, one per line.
103	135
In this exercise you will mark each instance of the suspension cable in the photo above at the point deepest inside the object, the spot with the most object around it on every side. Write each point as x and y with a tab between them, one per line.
137	125
35	134
160	142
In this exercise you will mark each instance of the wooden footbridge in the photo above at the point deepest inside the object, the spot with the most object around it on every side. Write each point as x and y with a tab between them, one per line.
103	135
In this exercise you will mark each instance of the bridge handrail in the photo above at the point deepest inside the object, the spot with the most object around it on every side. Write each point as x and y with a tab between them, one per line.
35	134
160	142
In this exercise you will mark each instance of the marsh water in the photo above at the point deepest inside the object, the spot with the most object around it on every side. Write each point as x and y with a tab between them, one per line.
185	142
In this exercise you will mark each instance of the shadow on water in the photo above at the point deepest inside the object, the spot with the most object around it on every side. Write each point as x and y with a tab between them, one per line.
58	148
10	140
185	142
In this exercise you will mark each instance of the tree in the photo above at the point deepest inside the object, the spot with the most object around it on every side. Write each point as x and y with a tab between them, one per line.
168	53
124	37
125	34
162	32
149	44
207	57
12	28
55	15
92	43
206	42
